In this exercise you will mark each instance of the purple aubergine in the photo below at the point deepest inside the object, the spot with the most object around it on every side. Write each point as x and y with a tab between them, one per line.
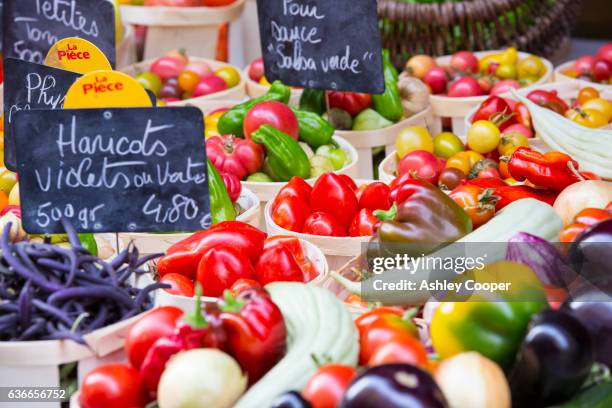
541	256
555	359
393	386
589	254
592	305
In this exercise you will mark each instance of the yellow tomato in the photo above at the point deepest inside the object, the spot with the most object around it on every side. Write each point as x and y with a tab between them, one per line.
571	73
229	75
587	117
510	142
211	123
13	198
483	136
586	94
484	62
464	161
264	81
510	56
413	138
531	67
506	71
8	179
600	105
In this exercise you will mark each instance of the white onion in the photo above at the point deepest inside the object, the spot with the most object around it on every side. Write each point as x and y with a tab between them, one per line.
581	195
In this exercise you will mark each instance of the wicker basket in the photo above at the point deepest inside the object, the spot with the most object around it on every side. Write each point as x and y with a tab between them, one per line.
440	29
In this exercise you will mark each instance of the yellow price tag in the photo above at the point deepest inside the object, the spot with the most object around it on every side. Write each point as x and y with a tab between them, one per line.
106	89
77	55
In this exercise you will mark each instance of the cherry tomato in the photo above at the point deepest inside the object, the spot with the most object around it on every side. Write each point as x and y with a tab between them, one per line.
168	67
437	79
401	349
199	67
326	387
256	69
591	216
188	81
413	138
150	81
600	105
464	161
420	164
584	65
376	331
586	94
478	203
320	223
180	285
531	66
290	213
419	65
450	178
506	71
483	136
375	196
510	142
160	322
447	145
112	385
466	86
464	61
209	85
229	75
587	117
273	113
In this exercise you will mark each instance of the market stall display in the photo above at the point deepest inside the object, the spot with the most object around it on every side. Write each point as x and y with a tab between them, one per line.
596	69
257	84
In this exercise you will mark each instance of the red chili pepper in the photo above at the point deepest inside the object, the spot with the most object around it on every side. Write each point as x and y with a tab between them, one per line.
191	332
375	197
255	330
509	194
220	267
553	170
278	264
290	213
184	256
485	182
332	195
364	224
296	187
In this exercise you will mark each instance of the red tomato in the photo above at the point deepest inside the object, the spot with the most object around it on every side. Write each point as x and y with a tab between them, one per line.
290	213
233	155
478	203
466	86
320	223
364	224
160	322
220	267
602	70
179	284
375	197
209	85
584	65
256	70
464	61
489	172
112	385
401	349
199	67
167	67
273	113
374	315
504	86
420	164
351	102
296	187
605	52
333	196
326	387
437	80
495	108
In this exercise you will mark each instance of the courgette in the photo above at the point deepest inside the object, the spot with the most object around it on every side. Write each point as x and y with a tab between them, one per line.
318	325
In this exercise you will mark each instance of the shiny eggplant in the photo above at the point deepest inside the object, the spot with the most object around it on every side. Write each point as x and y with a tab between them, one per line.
592	305
393	386
589	254
290	399
554	361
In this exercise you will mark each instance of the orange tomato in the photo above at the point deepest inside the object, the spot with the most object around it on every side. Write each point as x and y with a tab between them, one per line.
464	161
188	80
586	94
401	349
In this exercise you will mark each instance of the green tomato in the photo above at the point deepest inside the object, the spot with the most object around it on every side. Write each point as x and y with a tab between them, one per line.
260	178
320	165
150	81
446	145
336	156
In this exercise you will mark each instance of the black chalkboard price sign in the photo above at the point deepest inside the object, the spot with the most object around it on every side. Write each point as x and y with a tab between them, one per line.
31	27
113	169
324	44
30	86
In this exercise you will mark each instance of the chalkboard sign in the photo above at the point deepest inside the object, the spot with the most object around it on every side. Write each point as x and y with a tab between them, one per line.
113	169
1	23
35	25
30	86
324	44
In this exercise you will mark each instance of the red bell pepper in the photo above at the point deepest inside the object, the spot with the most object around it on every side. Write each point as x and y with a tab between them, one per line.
509	194
364	224
191	332
278	264
349	182
333	196
256	331
351	102
321	223
296	187
375	197
553	170
184	256
290	213
220	267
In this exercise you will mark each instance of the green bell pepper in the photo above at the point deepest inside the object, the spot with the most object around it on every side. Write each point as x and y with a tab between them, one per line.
221	206
230	123
389	103
314	130
313	100
286	158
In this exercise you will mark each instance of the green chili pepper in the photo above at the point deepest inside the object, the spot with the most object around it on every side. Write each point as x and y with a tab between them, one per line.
389	103
285	156
314	130
221	206
230	123
313	100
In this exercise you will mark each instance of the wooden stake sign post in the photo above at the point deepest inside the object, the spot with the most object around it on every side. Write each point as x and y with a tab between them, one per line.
322	44
31	27
112	169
